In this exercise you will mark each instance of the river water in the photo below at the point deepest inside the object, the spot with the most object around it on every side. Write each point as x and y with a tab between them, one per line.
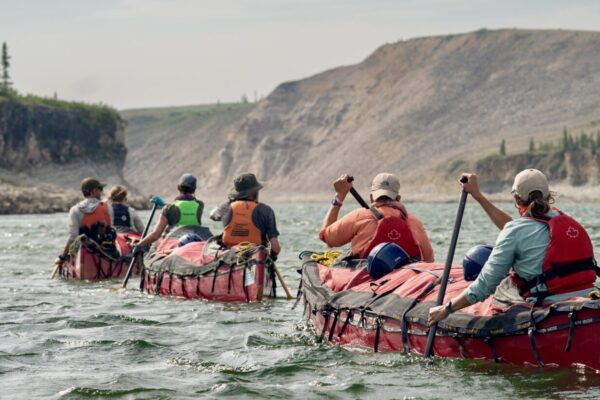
68	340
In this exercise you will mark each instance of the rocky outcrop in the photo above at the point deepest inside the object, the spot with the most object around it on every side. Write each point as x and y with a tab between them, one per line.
34	136
48	146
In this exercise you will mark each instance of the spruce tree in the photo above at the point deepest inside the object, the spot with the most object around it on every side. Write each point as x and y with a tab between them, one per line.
503	148
531	145
5	66
565	139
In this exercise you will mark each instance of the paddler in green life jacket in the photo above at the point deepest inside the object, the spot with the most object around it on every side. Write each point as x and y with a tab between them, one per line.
186	210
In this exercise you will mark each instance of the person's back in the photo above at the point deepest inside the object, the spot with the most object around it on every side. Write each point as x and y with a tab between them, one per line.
186	210
124	217
90	216
363	230
245	219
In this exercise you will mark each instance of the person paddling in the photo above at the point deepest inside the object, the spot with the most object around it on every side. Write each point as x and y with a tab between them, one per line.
125	218
361	228
90	216
550	253
244	218
186	210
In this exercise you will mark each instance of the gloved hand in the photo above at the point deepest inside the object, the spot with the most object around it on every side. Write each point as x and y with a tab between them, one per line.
273	257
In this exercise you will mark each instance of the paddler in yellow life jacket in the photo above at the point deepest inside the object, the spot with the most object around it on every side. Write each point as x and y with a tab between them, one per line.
186	210
89	216
244	218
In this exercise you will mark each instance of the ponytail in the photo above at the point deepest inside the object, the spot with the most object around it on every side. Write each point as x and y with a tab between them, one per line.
537	205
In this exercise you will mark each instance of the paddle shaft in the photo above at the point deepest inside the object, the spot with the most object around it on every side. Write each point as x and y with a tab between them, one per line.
134	257
55	270
361	201
283	285
447	267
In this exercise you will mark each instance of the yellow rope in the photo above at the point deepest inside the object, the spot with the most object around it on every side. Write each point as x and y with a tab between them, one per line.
83	238
243	249
594	294
326	258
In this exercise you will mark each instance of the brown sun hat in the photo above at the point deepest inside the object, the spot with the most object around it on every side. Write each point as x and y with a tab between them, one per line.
118	193
244	185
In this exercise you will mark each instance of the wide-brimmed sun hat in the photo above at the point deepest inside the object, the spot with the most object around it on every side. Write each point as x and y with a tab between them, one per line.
244	185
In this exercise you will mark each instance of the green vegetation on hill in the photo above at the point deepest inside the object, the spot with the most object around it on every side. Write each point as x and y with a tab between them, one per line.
139	119
573	159
96	112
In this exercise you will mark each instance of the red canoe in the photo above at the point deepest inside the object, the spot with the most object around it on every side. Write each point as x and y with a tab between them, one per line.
205	270
345	306
89	261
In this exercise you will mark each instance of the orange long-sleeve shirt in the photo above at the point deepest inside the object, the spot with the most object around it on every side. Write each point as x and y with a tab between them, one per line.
359	226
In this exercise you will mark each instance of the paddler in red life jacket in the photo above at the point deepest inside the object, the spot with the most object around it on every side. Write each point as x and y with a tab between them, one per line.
363	230
125	218
89	216
244	218
550	253
186	210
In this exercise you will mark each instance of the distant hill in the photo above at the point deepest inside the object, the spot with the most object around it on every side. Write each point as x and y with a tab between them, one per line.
418	108
163	143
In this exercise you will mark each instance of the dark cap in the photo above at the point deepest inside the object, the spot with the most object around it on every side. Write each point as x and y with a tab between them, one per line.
187	180
244	185
91	183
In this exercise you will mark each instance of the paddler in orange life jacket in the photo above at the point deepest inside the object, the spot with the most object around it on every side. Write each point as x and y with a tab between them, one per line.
244	218
550	253
186	210
362	229
88	215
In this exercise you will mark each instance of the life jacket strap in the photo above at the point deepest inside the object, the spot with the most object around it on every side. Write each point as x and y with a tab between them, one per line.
558	270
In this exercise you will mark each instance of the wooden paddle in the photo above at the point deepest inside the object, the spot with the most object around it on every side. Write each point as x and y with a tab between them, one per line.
448	266
158	202
283	285
57	266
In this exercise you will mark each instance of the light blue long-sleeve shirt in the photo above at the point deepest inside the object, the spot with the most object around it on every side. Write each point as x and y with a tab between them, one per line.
522	245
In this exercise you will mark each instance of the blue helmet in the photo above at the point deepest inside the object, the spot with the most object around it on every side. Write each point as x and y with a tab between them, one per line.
189	238
384	258
475	259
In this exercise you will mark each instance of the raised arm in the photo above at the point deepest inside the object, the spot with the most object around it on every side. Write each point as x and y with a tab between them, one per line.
342	188
498	217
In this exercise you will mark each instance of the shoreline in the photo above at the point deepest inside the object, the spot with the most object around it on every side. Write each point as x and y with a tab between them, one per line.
17	200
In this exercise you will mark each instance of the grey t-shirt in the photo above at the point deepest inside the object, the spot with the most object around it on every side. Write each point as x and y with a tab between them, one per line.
263	217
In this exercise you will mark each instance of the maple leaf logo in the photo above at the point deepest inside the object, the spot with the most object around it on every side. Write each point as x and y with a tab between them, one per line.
394	234
572	232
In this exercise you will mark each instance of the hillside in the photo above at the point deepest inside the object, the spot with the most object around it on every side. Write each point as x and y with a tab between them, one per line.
417	108
163	143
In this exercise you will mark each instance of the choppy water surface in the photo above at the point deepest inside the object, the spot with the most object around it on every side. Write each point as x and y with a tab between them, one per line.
69	340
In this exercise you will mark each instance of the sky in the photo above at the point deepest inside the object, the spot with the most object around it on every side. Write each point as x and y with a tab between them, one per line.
155	53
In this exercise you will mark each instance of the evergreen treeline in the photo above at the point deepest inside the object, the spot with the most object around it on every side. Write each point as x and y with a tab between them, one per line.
568	142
